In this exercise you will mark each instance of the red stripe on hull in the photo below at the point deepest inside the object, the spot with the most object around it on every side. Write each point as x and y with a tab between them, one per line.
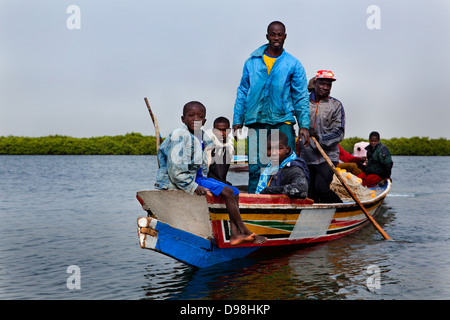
261	199
341	224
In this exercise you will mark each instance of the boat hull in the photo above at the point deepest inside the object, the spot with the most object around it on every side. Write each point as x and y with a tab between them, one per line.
184	246
195	230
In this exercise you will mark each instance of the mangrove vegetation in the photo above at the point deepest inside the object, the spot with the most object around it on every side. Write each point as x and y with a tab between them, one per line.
128	144
138	144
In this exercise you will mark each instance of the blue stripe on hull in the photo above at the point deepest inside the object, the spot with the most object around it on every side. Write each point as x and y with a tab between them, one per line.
195	250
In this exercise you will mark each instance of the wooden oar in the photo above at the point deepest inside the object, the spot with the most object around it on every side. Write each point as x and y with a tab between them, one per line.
155	123
372	220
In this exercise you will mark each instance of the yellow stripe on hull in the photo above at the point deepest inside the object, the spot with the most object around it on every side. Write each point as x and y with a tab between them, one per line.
352	214
286	218
265	230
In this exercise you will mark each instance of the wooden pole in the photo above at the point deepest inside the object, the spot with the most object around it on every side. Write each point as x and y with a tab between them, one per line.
352	194
155	123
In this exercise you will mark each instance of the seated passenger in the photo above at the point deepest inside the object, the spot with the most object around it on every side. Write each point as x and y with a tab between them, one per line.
221	152
183	165
379	162
286	173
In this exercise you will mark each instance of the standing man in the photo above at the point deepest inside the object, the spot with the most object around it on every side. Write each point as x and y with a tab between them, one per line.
272	93
327	121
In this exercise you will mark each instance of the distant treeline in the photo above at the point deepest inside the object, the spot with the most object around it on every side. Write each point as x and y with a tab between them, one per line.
129	144
414	146
137	144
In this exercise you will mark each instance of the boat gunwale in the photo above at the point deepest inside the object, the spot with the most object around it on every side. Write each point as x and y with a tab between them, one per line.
249	205
245	205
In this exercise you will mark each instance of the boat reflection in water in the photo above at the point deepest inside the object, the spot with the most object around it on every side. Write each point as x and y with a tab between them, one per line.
329	270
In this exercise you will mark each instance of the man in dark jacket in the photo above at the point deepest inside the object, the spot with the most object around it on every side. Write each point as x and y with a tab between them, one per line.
379	161
286	173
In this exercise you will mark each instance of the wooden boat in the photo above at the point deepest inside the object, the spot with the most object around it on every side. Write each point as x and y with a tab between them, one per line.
195	229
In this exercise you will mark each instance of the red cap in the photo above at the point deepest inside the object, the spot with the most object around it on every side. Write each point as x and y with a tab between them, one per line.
325	74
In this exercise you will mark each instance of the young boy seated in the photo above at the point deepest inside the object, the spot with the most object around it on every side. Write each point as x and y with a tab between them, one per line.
221	153
379	162
183	165
286	173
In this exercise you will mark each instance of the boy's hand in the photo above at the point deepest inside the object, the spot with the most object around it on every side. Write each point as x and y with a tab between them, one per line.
201	191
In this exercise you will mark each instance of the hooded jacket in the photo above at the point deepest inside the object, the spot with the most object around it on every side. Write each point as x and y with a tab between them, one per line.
292	180
327	117
379	161
280	96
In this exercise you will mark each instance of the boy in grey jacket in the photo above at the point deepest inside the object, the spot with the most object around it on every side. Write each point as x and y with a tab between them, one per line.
183	165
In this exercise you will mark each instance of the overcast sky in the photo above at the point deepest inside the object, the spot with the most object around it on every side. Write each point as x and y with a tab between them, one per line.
92	81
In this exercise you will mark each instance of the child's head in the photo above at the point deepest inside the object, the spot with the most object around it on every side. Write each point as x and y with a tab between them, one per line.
194	115
221	128
374	138
278	149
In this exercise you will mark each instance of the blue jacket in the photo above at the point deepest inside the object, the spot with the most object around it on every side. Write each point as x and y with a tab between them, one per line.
272	98
181	155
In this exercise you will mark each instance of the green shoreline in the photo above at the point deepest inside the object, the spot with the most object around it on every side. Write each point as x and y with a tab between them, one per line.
138	144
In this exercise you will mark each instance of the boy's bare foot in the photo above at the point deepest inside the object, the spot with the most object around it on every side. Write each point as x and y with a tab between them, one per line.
259	239
245	238
242	238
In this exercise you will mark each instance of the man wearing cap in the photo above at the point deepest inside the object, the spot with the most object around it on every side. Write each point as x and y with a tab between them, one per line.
272	94
327	123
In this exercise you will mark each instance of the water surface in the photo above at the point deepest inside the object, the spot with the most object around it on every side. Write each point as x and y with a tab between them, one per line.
58	211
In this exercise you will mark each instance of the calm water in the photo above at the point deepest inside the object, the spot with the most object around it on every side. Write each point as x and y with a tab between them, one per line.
58	211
